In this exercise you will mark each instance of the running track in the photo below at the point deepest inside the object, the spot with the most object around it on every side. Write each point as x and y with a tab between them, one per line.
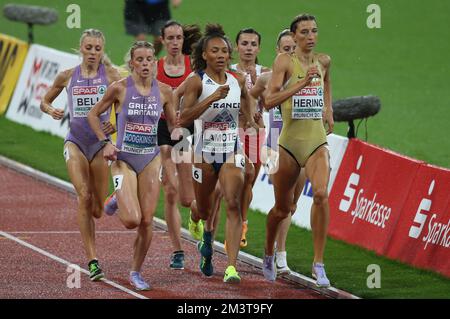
39	238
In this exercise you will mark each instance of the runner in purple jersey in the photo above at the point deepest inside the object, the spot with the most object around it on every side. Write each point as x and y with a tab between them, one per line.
135	170
88	170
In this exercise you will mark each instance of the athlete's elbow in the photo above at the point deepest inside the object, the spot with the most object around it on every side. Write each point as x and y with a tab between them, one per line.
184	120
269	103
91	116
42	106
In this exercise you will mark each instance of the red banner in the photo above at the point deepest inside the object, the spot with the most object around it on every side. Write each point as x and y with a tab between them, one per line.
368	195
422	238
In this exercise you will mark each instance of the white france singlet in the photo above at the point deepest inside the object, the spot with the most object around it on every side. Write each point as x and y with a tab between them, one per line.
216	130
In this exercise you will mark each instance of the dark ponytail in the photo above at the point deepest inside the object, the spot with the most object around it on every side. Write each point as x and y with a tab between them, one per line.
192	35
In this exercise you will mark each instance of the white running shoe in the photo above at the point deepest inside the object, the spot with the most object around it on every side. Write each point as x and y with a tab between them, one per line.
318	273
281	263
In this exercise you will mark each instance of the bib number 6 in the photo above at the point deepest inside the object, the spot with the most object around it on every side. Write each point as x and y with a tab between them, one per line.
197	174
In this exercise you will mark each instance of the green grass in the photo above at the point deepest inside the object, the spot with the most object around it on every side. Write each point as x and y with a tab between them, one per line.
346	264
403	63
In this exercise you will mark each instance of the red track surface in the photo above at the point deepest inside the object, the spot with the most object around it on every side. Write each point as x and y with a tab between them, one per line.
45	217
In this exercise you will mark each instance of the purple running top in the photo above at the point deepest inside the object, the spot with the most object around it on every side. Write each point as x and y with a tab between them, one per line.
275	126
83	93
137	126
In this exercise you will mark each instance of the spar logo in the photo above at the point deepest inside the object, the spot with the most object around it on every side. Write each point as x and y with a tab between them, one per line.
220	126
139	128
311	91
366	210
438	233
89	90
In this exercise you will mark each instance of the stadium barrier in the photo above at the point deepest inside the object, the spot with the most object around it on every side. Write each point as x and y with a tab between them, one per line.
263	196
382	200
422	238
38	73
12	55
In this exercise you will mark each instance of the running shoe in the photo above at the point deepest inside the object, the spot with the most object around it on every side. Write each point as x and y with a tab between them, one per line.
177	260
244	235
231	275
110	205
138	282
206	252
281	263
196	229
318	273
269	270
95	272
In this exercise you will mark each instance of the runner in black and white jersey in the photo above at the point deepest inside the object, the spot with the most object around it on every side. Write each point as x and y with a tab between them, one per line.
213	98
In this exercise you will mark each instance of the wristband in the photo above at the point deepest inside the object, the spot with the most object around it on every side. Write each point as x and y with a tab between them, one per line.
105	141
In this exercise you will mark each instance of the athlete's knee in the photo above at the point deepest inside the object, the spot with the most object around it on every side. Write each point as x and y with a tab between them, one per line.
85	197
170	192
203	211
97	211
185	201
131	222
320	196
293	208
233	204
146	222
281	211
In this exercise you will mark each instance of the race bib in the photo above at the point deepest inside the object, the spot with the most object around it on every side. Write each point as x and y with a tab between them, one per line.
276	114
66	154
117	181
239	160
85	97
197	174
219	137
308	102
139	138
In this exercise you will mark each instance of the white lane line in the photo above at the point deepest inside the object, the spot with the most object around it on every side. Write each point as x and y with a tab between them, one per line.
65	262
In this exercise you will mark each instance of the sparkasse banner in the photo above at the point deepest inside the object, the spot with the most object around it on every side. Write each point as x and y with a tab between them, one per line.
38	73
368	195
422	236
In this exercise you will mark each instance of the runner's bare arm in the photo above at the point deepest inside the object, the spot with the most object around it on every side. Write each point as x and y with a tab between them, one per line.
168	106
192	108
177	94
261	83
111	96
281	72
325	60
59	84
112	75
248	104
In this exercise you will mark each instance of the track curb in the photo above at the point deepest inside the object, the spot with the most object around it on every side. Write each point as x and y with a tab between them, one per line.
243	257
